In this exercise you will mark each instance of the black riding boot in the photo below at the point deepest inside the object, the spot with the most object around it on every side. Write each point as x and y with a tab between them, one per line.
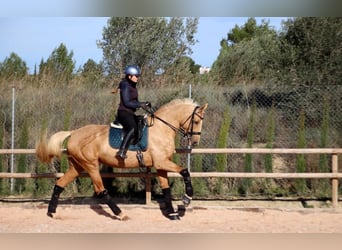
125	144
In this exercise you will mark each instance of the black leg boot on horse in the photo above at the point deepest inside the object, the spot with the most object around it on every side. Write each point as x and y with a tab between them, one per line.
129	136
57	190
105	198
188	187
169	212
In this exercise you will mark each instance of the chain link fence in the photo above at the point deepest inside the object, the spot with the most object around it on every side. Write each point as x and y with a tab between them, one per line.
240	116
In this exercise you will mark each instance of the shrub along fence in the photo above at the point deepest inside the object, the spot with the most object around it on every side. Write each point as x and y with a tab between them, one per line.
334	176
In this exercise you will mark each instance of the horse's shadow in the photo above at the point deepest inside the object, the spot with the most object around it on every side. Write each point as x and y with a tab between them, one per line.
97	208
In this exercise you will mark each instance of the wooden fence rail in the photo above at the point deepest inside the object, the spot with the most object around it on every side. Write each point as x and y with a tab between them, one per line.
334	175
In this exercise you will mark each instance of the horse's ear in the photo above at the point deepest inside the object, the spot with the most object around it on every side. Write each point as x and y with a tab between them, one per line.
203	108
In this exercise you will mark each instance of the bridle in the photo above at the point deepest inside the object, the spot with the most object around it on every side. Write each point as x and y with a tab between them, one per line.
185	133
190	130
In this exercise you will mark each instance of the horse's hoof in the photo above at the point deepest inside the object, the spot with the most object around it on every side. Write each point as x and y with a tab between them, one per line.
52	215
174	216
186	200
123	217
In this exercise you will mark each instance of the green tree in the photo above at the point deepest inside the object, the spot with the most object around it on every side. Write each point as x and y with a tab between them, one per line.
13	67
250	53
248	164
221	159
323	185
59	65
153	43
324	166
92	71
42	185
200	185
181	71
194	68
300	184
248	31
66	126
20	184
2	168
270	139
268	158
315	47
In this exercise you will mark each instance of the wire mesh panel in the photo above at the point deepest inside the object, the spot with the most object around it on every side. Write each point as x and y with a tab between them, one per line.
239	116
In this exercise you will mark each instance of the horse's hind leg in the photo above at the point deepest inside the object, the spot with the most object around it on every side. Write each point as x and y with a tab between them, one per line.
57	190
103	194
105	198
61	183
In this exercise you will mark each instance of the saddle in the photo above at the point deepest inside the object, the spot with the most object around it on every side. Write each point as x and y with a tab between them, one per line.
116	135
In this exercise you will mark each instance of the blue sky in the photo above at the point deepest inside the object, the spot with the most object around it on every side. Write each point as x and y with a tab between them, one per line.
34	38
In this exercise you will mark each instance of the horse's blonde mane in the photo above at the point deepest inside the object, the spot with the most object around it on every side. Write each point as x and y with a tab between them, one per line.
175	102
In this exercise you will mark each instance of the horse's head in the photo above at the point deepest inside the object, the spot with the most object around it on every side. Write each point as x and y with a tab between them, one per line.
192	125
184	117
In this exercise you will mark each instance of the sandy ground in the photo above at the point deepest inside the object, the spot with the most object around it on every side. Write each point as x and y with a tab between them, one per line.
30	217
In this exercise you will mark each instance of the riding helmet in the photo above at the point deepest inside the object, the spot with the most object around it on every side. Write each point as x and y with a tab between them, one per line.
132	70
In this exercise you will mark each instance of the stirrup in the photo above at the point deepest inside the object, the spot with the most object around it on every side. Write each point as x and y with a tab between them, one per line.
142	166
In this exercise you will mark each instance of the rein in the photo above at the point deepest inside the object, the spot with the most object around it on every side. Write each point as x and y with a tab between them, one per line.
185	133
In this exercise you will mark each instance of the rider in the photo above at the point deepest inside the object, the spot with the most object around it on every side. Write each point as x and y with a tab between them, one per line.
129	103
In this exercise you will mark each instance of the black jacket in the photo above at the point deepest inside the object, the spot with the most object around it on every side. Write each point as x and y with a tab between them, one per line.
128	96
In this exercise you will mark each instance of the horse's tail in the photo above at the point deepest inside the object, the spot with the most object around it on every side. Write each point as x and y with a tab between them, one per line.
47	149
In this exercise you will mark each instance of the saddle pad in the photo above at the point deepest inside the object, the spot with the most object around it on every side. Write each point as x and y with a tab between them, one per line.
115	138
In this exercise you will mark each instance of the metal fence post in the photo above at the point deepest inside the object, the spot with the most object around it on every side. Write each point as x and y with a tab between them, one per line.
12	140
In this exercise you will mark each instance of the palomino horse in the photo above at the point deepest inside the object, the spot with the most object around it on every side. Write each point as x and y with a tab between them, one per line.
88	147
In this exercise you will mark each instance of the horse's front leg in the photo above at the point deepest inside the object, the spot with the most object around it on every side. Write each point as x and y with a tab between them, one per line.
164	183
188	187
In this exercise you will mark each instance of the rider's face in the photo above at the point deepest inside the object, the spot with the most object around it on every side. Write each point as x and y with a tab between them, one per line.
134	78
